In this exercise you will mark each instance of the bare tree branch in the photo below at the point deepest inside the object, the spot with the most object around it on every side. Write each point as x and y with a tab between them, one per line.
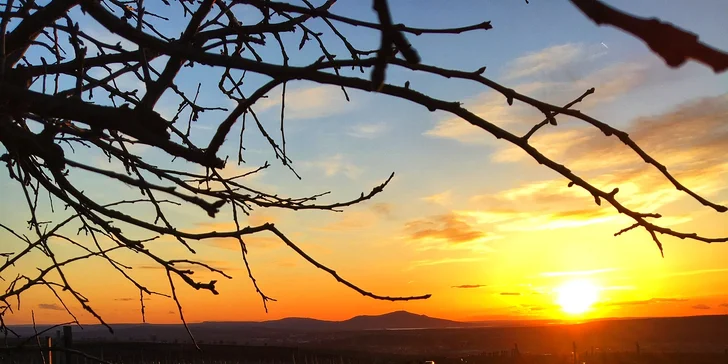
676	46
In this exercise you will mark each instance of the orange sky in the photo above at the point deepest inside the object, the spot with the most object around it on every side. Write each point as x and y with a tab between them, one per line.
471	220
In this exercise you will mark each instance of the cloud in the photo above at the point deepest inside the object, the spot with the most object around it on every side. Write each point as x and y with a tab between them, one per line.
536	219
532	307
129	299
690	140
725	305
431	262
643	302
306	102
611	81
578	273
701	307
689	135
444	227
552	59
368	131
443	198
334	165
469	286
50	306
552	204
382	208
696	272
446	232
510	293
491	106
224	266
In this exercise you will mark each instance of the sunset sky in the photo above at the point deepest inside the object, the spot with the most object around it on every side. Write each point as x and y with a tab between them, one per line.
468	218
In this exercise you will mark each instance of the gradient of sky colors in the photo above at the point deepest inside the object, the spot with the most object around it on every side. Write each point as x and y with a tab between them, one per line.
468	218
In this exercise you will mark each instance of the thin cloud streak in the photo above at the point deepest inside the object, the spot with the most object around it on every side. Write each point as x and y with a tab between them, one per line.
469	286
431	262
695	272
578	273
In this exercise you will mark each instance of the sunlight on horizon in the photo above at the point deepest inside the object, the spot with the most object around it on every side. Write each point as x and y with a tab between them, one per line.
577	296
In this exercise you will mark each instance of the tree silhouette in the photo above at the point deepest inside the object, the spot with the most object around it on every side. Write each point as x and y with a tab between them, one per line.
60	92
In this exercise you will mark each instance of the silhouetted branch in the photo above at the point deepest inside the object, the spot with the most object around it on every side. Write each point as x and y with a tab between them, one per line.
671	43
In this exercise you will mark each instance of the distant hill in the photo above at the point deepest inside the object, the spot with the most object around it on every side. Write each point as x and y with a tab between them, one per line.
695	333
388	321
399	320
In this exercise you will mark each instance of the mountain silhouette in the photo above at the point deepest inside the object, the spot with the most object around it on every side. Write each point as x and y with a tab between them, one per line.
399	320
392	320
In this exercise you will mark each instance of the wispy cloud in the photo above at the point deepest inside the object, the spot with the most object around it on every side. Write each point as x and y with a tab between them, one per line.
442	198
558	83
130	299
367	130
551	59
696	272
691	135
510	293
469	286
578	273
382	209
193	267
701	307
307	102
537	219
446	232
690	140
491	106
643	302
445	227
336	164
431	262
50	306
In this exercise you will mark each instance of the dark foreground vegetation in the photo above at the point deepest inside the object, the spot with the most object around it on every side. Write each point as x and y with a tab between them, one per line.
699	340
167	353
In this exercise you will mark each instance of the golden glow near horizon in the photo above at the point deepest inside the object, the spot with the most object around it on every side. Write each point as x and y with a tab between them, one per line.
577	296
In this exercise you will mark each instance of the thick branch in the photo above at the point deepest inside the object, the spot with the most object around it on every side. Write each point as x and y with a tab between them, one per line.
671	43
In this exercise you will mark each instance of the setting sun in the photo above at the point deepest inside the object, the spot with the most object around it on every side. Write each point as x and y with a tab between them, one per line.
577	296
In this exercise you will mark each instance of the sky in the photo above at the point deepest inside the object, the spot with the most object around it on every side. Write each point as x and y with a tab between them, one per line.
467	218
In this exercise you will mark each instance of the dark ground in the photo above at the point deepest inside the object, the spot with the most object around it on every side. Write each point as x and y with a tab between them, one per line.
702	339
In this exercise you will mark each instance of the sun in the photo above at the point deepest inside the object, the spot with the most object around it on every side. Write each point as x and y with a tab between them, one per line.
577	296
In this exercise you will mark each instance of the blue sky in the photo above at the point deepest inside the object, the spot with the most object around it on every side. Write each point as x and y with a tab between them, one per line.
453	179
